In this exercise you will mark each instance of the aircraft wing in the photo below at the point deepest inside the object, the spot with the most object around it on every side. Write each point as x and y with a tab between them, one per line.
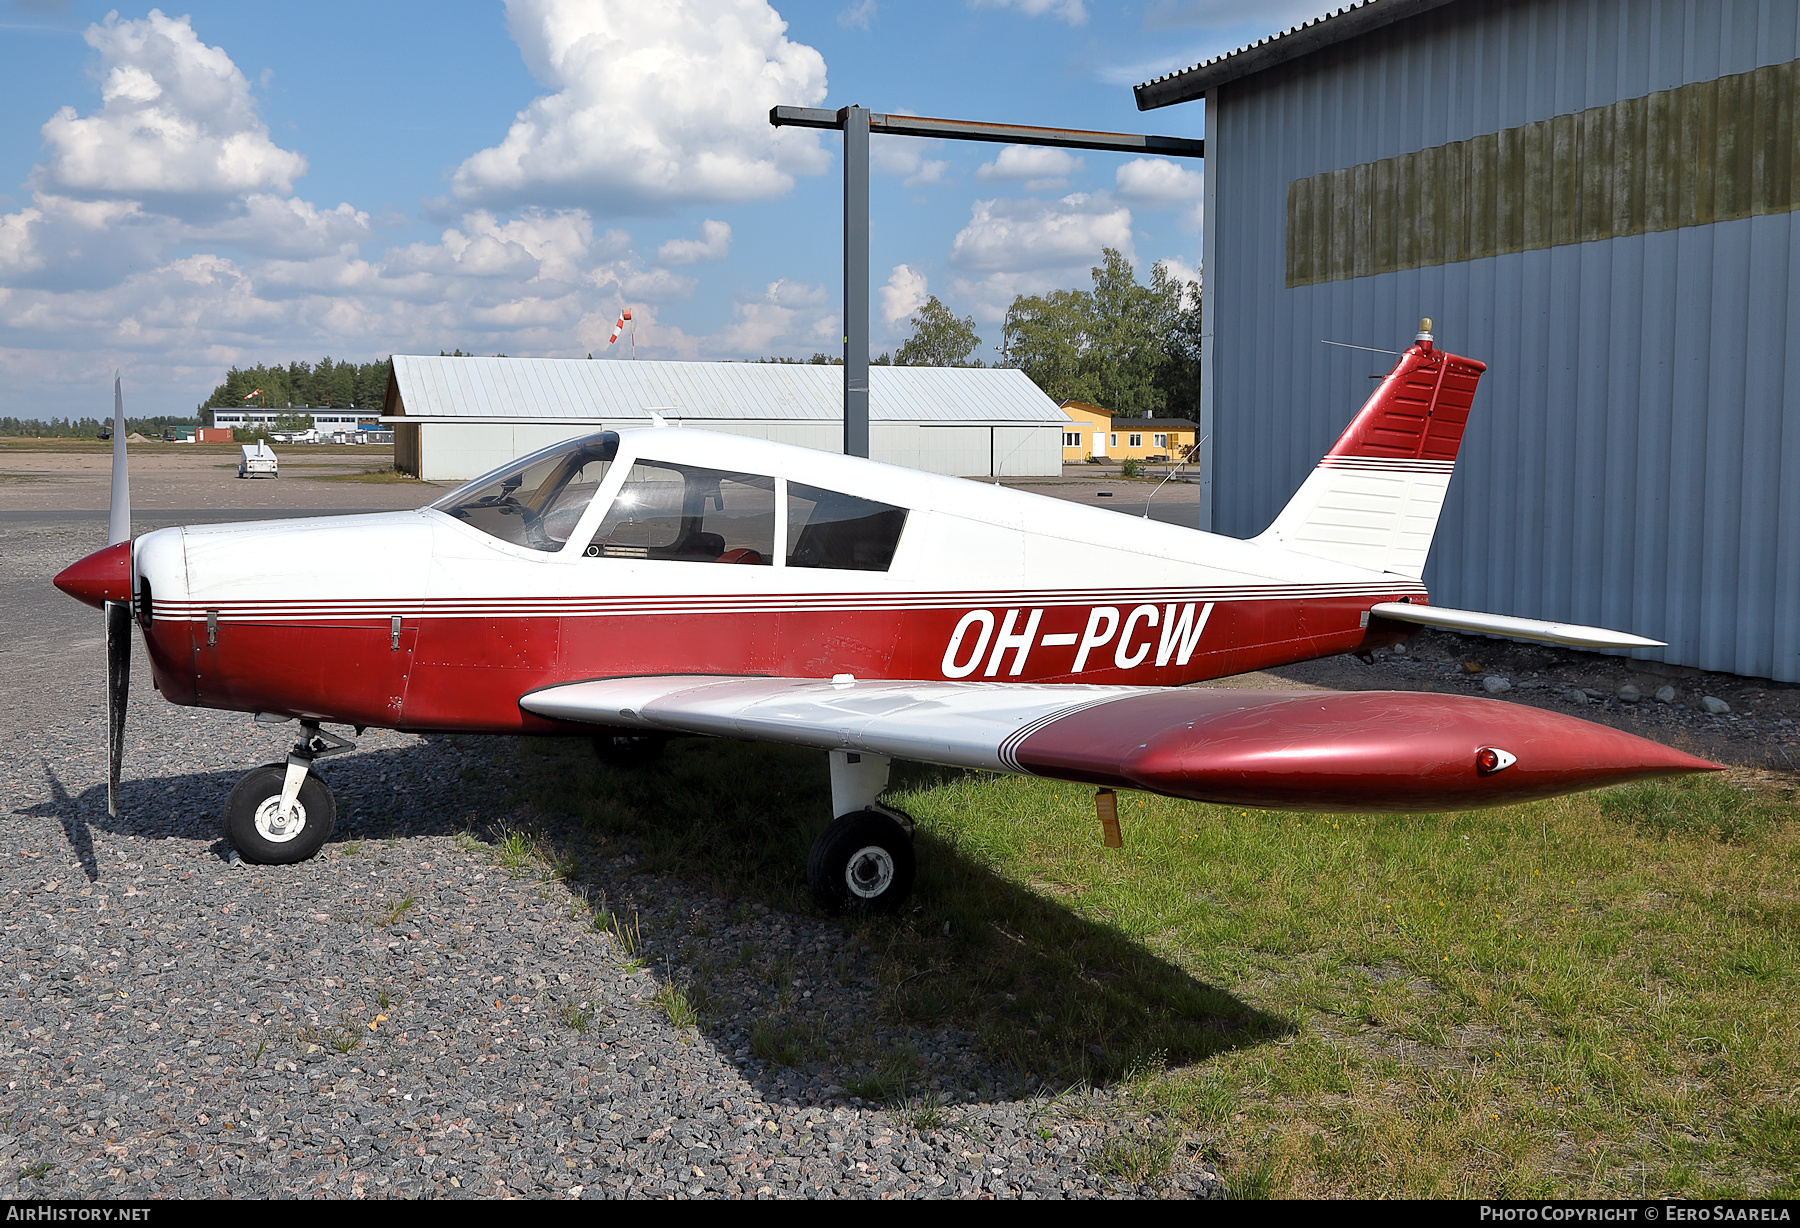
1293	750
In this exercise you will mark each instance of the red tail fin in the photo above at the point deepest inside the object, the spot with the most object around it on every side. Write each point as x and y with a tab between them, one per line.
1375	497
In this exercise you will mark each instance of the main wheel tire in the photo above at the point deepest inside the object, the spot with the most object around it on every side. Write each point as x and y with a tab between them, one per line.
253	812
629	750
863	862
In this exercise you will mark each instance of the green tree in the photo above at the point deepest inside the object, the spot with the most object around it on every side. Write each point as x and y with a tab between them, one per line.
328	384
1120	345
939	339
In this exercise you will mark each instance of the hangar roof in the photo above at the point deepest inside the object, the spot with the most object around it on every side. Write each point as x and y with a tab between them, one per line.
1307	37
618	391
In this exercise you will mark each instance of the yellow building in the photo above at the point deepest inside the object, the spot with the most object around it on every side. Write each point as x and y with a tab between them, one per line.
1096	433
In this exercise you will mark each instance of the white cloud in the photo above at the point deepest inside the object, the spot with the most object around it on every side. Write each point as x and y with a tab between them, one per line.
161	237
904	294
905	156
1043	168
286	227
176	118
714	244
857	16
785	311
1013	247
654	105
1157	183
1015	235
1072	11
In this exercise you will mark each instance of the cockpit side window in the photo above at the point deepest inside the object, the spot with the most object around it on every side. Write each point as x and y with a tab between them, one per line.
689	514
829	529
537	500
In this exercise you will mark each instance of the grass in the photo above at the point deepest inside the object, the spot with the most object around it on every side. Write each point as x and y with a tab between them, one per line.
672	1000
1590	996
890	1080
781	1044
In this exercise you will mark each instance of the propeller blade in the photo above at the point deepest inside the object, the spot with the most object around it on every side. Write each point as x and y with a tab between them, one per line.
118	613
119	528
118	686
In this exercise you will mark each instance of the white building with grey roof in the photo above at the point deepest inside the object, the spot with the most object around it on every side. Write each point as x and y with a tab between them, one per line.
457	417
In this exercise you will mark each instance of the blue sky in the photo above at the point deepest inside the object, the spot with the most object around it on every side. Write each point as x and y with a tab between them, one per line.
189	188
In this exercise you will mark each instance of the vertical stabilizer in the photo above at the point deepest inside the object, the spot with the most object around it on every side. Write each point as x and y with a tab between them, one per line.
1375	497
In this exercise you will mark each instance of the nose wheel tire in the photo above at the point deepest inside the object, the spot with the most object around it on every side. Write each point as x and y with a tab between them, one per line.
260	833
863	862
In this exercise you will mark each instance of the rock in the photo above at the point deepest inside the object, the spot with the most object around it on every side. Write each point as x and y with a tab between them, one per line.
1665	694
1575	695
1494	684
1714	705
1629	694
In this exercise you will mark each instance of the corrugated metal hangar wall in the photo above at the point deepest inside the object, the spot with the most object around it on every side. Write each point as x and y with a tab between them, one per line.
1596	198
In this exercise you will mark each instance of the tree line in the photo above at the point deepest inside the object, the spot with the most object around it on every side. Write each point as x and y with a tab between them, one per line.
322	385
86	428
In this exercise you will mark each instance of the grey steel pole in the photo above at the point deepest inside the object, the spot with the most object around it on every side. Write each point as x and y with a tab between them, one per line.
856	280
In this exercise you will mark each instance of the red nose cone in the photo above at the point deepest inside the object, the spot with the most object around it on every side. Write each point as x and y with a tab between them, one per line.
102	576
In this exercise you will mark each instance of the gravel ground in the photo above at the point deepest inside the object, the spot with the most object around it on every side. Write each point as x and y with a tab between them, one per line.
418	1011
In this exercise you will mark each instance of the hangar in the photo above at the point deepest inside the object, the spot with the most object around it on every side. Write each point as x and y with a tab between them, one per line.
1596	197
476	413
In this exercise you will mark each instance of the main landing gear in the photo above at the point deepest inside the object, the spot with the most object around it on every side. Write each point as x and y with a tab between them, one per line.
864	861
282	813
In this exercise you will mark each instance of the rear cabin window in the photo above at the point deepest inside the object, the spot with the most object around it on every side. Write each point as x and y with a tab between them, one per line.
536	501
689	514
829	529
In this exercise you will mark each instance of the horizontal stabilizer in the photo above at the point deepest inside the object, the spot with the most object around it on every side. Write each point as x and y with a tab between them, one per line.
1474	622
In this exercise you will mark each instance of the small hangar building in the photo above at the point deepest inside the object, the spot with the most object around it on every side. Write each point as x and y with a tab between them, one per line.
477	413
1596	198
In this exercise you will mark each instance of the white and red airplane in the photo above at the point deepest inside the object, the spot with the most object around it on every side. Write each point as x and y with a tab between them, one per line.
655	582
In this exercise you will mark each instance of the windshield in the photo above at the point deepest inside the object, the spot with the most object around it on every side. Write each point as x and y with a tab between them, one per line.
536	501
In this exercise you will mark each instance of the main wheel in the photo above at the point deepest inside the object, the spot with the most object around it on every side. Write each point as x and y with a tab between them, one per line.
864	860
629	750
253	817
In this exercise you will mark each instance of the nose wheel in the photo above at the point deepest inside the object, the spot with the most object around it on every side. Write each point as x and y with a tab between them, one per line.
282	813
265	832
863	862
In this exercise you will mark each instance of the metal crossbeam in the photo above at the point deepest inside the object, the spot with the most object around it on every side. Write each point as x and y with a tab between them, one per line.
857	124
1006	134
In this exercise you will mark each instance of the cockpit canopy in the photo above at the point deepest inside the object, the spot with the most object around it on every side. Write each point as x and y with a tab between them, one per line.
669	510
